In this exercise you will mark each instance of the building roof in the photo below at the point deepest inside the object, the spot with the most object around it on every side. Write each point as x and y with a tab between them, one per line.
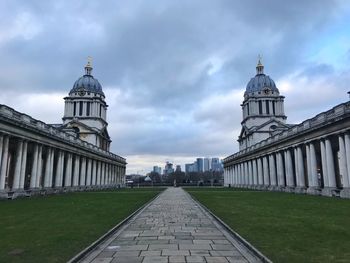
261	81
87	83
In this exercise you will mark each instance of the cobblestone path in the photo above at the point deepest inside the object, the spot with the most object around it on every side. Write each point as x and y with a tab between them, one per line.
173	228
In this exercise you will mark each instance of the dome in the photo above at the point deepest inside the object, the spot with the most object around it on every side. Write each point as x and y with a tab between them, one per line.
261	81
87	83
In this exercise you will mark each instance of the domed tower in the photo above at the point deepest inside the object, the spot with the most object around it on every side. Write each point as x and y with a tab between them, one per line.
263	110
85	111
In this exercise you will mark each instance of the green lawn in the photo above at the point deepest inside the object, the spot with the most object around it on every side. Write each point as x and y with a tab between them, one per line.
285	227
54	228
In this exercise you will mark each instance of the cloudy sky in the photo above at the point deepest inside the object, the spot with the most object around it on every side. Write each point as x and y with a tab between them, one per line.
174	72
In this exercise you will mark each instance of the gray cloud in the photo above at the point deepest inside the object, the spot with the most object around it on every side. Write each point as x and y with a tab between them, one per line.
173	69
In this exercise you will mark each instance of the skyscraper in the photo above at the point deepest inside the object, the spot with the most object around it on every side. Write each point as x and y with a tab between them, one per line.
206	164
200	165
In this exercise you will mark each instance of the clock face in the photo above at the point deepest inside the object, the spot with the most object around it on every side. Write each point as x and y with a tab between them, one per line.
267	91
81	92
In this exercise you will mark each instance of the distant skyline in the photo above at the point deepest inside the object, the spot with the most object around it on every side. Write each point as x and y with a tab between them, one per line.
174	72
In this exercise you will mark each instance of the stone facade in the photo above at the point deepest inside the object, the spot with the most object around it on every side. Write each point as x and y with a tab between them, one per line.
38	158
85	111
262	108
312	157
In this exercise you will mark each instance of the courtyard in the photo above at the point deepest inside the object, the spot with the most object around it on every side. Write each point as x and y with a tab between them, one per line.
284	227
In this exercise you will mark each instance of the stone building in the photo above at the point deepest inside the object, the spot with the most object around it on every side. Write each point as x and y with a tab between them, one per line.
311	157
39	158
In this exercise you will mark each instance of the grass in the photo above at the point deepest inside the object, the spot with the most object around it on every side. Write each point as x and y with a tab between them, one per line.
54	228
285	227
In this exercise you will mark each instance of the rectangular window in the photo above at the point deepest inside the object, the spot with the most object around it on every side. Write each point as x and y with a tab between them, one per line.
88	109
273	107
267	107
248	109
260	107
80	108
100	110
74	108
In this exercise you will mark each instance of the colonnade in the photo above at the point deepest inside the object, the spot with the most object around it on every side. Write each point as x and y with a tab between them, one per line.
319	166
85	107
27	165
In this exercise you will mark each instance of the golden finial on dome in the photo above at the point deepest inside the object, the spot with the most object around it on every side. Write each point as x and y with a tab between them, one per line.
89	61
88	67
259	66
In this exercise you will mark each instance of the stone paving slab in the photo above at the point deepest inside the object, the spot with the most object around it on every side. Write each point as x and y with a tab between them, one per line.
173	228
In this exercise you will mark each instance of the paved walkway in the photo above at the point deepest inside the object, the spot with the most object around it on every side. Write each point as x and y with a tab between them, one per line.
173	228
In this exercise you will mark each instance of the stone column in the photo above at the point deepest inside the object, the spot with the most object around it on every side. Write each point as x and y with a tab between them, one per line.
273	179
117	179
84	108
342	162
246	174
23	164
233	180
106	167
228	175
89	172
280	170
347	149
313	166
271	107
235	174
241	174
61	169
266	172
250	173
58	170
109	174
299	168
260	173
346	185
52	159
47	167
324	163
68	177
17	174
98	178
40	167
1	146
76	173
103	170
34	172
113	174
4	162
255	173
93	178
289	169
83	172
106	174
330	164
